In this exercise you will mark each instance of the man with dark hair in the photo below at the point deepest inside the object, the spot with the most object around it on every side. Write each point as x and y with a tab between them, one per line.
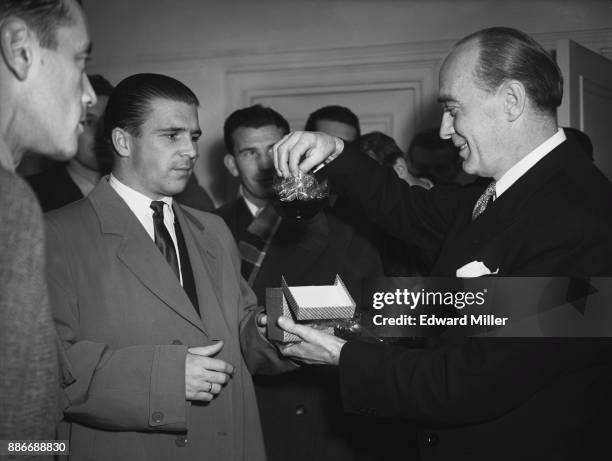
336	121
43	95
547	212
66	182
146	292
300	411
385	151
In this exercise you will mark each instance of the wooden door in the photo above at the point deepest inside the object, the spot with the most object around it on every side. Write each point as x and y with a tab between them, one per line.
587	98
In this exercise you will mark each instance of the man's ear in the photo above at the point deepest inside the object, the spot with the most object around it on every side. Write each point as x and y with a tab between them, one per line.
400	167
122	142
514	98
230	163
16	44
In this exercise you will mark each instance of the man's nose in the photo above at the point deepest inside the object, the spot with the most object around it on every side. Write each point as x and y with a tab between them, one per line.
266	160
89	95
446	126
191	150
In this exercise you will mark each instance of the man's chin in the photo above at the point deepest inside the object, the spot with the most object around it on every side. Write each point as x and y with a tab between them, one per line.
468	168
61	155
177	186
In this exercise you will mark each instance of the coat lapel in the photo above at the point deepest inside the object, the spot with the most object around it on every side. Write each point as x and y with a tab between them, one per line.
138	252
205	257
487	239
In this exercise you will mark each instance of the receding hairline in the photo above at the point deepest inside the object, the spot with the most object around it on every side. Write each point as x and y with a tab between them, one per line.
463	47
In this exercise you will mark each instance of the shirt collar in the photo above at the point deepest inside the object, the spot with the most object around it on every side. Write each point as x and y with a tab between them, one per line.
523	165
139	203
254	209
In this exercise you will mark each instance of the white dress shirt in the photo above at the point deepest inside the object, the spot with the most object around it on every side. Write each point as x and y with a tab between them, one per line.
523	165
140	205
254	209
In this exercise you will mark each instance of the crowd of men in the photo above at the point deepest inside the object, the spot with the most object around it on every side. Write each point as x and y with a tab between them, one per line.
132	322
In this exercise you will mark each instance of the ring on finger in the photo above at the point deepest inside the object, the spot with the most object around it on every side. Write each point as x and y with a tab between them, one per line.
210	388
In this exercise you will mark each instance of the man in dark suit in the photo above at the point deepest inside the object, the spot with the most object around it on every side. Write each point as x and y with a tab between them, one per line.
301	414
67	182
43	95
547	211
145	293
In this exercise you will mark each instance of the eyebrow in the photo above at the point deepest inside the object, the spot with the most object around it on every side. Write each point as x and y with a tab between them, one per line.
444	98
177	129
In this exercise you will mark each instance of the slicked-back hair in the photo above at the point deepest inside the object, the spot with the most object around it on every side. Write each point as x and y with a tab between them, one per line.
256	116
129	105
335	114
42	16
509	54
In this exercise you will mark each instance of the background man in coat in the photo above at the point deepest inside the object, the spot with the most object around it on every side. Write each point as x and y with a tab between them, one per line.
44	92
301	414
145	293
548	211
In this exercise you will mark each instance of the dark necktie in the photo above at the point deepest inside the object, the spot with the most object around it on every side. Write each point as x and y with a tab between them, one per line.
483	201
163	240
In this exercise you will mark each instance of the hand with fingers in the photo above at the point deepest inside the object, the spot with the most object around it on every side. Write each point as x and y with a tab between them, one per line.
303	150
316	347
205	376
262	322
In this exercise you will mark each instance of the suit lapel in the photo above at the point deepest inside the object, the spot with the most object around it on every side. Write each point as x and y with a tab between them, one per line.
485	238
138	252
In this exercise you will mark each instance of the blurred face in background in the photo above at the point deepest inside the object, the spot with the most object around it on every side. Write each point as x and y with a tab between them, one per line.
338	129
90	151
252	163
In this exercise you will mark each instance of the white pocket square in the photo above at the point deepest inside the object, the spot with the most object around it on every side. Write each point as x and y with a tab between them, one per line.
474	269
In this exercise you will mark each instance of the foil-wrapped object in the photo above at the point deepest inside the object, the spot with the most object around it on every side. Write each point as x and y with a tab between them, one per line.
299	197
304	186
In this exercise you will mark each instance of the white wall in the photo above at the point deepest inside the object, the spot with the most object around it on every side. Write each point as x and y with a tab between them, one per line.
211	45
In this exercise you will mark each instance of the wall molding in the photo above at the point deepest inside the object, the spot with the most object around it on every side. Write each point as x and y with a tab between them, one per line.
599	40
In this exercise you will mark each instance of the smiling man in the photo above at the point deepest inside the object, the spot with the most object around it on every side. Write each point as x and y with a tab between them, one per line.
546	212
145	292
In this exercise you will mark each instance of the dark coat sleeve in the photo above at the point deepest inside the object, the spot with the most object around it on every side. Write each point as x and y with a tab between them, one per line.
461	384
411	213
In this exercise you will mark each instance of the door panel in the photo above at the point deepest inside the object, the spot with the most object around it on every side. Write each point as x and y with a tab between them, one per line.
587	98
